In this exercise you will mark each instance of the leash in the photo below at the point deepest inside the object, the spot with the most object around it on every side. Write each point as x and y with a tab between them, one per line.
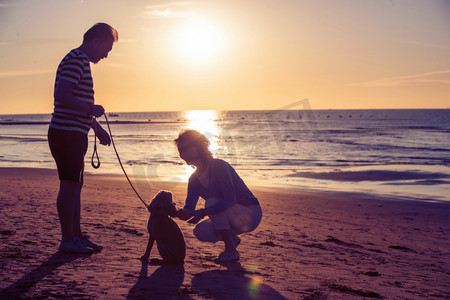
95	153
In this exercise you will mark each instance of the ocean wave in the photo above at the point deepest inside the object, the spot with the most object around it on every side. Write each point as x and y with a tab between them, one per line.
24	122
422	182
397	128
149	122
23	138
371	175
152	162
382	147
115	122
138	139
7	159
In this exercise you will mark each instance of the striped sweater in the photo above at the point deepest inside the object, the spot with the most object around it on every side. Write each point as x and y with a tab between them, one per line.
75	67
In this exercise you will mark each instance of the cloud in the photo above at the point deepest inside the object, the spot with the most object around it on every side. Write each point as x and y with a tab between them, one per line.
9	74
169	10
424	78
430	45
6	4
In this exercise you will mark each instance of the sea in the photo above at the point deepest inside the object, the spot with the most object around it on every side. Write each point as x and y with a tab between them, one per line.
395	154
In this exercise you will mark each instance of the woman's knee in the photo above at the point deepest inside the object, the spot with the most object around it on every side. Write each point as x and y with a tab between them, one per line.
245	219
205	232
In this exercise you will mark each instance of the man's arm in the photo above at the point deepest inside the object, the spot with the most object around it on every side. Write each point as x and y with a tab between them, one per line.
102	135
64	94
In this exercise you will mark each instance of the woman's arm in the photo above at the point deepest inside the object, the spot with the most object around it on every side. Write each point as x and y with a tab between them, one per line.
222	172
191	201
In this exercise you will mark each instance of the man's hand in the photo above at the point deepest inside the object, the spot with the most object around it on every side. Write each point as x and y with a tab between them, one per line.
97	111
102	135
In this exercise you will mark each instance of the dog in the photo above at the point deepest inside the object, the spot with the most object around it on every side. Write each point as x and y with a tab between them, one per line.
164	231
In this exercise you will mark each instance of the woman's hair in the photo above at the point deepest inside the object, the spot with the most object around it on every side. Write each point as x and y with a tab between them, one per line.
102	31
190	137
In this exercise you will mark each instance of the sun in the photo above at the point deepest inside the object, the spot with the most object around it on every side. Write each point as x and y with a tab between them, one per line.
199	42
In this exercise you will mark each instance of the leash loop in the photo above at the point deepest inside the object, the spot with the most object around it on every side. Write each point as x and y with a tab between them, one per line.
95	153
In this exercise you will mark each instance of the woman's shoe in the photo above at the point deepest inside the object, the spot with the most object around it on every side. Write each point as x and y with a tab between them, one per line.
236	241
227	256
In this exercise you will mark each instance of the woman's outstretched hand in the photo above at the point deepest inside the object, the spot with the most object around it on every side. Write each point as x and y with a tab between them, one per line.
198	215
181	214
193	218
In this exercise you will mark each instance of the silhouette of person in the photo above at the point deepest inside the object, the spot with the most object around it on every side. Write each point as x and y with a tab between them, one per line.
231	207
73	117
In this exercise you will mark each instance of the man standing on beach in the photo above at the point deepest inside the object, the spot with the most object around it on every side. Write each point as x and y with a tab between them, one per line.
73	116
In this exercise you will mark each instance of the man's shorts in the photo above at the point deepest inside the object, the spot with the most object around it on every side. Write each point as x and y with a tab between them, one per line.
68	149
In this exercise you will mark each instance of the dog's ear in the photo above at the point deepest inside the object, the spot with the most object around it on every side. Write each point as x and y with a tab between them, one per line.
156	201
171	210
168	205
163	201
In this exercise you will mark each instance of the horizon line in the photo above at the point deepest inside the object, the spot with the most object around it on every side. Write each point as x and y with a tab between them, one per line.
237	110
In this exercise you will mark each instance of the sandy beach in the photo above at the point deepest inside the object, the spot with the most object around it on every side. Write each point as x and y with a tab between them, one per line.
310	245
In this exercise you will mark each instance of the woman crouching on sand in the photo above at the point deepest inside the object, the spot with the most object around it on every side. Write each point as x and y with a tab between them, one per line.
231	207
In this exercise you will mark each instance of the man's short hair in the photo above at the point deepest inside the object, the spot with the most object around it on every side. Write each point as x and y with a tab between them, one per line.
102	31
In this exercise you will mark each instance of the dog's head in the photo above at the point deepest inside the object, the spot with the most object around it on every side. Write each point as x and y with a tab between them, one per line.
163	203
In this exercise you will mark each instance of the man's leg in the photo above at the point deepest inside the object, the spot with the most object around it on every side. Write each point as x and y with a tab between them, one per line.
76	222
67	197
77	212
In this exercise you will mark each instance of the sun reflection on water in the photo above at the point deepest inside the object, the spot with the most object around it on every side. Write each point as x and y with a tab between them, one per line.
205	122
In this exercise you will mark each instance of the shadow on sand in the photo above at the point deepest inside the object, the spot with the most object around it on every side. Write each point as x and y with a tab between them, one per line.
232	284
164	283
29	280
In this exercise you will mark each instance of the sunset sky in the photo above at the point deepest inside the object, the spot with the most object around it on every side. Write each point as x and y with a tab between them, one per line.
233	54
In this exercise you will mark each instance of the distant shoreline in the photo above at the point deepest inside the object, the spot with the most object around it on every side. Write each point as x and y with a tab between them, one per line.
249	110
101	122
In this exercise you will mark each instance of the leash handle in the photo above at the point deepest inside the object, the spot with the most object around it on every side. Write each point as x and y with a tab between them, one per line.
95	153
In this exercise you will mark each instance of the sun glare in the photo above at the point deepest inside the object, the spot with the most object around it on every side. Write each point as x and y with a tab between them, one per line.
199	42
205	121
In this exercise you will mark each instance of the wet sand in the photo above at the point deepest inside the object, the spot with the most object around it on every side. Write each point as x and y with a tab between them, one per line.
310	245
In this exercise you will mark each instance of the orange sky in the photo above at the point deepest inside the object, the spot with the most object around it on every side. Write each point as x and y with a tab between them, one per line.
233	55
